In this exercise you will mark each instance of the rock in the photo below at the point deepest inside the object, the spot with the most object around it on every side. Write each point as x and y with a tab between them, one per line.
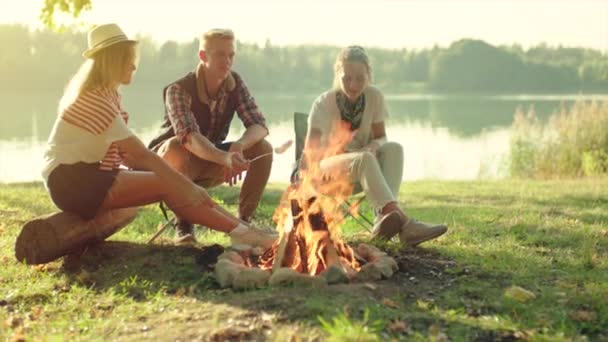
226	271
288	276
369	272
335	274
282	276
257	251
232	256
365	250
241	248
370	253
387	265
250	278
375	255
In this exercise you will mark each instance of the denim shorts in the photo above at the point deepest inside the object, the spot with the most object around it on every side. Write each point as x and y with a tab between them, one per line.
80	188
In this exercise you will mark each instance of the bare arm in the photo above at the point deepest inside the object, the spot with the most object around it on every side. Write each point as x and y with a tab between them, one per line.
252	135
378	130
201	147
177	104
378	137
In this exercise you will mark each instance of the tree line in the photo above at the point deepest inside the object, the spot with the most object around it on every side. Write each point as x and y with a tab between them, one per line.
45	59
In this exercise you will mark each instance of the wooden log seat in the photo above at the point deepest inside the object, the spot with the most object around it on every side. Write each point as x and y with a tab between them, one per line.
49	237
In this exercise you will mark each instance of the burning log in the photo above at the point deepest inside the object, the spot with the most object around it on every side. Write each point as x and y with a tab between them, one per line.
306	243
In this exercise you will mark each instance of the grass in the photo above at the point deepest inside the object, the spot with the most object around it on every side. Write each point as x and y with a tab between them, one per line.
548	237
572	143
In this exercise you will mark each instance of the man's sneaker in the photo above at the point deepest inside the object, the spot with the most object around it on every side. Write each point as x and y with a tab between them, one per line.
252	237
415	232
184	233
387	226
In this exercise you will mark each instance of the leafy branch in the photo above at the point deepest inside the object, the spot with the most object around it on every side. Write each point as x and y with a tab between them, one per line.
53	7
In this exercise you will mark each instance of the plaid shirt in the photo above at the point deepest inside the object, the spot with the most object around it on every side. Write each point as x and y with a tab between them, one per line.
178	104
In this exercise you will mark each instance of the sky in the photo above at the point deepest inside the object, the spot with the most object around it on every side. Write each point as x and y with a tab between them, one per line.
379	23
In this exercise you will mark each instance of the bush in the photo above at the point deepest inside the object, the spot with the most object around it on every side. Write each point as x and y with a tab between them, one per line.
573	143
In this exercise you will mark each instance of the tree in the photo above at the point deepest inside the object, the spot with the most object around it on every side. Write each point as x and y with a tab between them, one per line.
474	65
71	7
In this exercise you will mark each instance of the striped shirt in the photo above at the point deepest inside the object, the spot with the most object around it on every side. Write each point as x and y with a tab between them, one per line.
94	111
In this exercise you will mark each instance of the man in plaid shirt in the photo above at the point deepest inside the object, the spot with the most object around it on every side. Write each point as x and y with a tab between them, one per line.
198	111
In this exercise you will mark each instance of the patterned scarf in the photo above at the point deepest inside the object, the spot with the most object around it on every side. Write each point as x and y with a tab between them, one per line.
351	112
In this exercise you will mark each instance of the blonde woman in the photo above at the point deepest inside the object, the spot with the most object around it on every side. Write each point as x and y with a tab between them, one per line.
90	142
355	103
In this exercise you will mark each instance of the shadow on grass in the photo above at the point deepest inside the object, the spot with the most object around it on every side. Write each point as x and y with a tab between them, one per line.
142	272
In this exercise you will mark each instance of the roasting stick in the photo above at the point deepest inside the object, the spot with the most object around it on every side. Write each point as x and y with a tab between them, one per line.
282	148
260	156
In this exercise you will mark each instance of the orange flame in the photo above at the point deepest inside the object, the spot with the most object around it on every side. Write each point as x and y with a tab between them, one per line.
311	241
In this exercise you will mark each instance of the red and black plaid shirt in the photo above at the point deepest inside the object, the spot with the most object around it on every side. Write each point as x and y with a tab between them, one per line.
178	104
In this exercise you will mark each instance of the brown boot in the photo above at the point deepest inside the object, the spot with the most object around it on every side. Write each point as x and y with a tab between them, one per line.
387	226
415	232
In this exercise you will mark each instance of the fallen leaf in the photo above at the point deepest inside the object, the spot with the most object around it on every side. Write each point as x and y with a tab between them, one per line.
18	337
583	315
398	326
524	334
13	322
267	317
35	313
436	334
85	277
39	268
370	286
51	266
230	334
519	293
390	303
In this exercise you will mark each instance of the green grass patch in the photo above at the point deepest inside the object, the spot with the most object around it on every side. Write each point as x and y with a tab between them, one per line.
573	143
549	237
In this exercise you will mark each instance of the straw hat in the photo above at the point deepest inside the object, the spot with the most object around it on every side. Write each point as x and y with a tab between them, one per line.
103	36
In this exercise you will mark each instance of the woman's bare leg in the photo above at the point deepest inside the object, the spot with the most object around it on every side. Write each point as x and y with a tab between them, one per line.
136	188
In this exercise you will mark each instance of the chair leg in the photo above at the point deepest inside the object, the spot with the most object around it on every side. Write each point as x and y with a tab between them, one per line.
170	223
367	223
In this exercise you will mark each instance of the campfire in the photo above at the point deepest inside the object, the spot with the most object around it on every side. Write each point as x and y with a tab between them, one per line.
309	248
307	245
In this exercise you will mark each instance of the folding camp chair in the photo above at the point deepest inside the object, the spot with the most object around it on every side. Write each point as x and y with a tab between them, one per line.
300	123
169	222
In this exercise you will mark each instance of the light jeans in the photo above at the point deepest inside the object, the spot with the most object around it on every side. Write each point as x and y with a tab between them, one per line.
380	175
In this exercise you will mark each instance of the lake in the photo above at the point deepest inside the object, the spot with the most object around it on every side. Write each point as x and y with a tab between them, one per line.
444	136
